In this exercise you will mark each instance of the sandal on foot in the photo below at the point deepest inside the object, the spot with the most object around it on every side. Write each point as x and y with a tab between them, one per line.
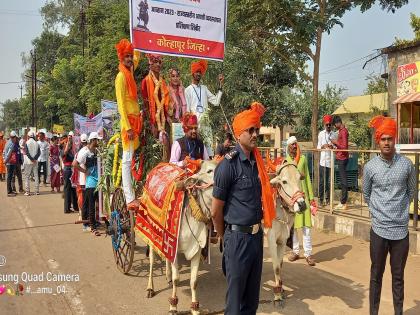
96	232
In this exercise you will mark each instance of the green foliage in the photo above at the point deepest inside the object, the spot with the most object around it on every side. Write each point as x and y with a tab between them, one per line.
268	43
376	85
290	29
359	132
63	89
415	25
12	115
329	100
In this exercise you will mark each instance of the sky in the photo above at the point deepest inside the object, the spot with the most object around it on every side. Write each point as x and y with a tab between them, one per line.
341	55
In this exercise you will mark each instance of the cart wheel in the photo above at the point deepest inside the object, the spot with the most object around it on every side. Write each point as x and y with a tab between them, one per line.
121	229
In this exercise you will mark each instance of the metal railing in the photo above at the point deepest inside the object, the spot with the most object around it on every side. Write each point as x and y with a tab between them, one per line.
356	206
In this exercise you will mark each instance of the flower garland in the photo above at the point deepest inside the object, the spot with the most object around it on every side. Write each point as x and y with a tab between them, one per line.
116	163
160	113
114	138
119	176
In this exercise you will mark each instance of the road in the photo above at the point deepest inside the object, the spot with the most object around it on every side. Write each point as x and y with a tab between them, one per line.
38	240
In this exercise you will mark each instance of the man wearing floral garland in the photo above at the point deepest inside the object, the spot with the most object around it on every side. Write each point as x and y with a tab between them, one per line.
156	98
129	110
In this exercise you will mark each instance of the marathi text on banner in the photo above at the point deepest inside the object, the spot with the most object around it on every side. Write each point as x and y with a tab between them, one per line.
408	79
87	125
187	28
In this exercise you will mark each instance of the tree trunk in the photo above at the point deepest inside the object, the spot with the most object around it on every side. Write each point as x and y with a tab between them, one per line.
315	99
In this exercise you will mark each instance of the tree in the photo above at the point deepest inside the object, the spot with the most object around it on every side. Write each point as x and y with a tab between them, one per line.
63	91
415	25
15	114
329	100
376	85
291	28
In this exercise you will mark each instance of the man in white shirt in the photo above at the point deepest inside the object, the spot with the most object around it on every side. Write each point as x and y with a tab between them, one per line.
43	158
81	179
198	95
30	162
324	142
87	157
189	145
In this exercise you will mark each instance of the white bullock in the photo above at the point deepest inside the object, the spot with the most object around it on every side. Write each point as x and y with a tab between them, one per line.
192	236
289	200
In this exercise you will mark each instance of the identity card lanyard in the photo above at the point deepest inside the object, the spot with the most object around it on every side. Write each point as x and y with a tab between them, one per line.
200	108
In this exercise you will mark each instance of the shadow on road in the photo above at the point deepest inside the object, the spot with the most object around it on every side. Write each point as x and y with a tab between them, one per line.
301	283
333	253
415	310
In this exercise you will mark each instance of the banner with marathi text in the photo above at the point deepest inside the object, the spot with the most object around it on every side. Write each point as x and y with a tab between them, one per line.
408	79
87	125
186	28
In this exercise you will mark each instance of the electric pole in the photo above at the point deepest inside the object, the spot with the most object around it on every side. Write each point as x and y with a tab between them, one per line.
20	87
34	86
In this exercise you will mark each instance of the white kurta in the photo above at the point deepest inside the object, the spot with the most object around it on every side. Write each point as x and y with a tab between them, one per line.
196	95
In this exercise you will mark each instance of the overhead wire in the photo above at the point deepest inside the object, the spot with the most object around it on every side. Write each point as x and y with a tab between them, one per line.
346	64
12	82
19	12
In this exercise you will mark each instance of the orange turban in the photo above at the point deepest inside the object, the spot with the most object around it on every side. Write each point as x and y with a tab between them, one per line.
383	126
154	58
248	118
244	120
189	120
124	47
199	66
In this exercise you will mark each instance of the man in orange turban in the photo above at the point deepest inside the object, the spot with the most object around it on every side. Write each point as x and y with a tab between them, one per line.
198	96
389	186
155	94
190	145
383	125
129	110
242	197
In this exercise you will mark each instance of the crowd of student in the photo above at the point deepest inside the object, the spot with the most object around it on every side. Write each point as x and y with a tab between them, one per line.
54	160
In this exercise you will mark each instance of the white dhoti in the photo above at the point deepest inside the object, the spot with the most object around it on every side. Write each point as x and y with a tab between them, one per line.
126	174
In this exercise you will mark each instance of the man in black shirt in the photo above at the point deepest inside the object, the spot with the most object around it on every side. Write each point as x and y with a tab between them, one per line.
225	147
241	187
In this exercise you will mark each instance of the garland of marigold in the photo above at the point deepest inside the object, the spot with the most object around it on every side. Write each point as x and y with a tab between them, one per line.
115	165
119	176
114	138
160	115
